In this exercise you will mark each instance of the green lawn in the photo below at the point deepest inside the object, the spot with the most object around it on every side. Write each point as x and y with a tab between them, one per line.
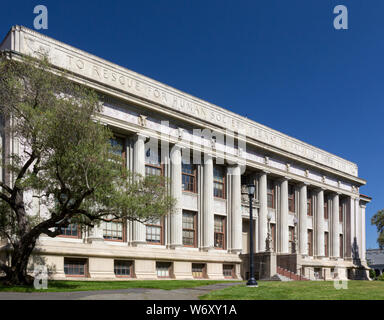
57	286
301	290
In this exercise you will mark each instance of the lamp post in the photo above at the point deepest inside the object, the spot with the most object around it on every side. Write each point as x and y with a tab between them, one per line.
251	281
269	236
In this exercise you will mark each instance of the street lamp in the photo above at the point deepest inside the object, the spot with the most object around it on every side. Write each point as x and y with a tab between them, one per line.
251	281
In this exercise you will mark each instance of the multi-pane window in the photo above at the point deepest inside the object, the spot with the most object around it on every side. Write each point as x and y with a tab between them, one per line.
326	214
219	232
154	231
340	211
189	228
326	246
75	267
123	268
153	166
113	230
309	205
270	194
291	198
291	239
189	177
218	182
228	271
198	270
310	243
341	243
118	146
72	231
163	269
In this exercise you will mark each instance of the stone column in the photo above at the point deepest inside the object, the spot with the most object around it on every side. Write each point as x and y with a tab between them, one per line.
283	221
359	229
319	224
303	236
176	192
363	240
208	218
138	236
236	219
335	226
263	211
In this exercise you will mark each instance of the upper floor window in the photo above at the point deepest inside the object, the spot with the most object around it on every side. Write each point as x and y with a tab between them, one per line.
71	231
326	241
189	177
291	198
114	231
270	194
218	182
118	145
219	232
325	209
309	205
153	165
341	243
189	228
154	231
310	242
291	239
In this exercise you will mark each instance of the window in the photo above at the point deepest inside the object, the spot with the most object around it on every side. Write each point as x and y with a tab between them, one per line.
273	235
113	231
310	243
341	246
72	231
326	241
218	182
189	177
123	268
291	198
219	232
229	271
325	209
291	239
154	231
270	194
153	166
340	211
118	145
75	267
198	270
163	269
189	228
309	205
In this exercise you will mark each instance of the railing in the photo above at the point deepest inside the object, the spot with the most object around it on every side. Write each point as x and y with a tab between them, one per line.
291	275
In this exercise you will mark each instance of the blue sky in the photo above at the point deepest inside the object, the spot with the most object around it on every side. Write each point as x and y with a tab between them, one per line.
278	62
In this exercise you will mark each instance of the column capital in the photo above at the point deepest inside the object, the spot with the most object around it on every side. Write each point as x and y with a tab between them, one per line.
261	172
303	183
141	136
283	179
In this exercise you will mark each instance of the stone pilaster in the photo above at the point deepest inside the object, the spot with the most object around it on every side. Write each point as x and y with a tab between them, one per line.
363	240
283	221
236	219
208	218
303	237
138	228
263	211
319	223
176	192
335	227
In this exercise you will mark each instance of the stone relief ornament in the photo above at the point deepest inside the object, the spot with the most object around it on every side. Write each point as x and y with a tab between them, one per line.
323	179
266	159
288	165
180	133
213	143
142	120
307	173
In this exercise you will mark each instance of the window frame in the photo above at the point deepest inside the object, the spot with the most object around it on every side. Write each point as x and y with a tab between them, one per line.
341	218
310	243
124	151
326	244
291	238
223	232
233	272
309	206
203	271
326	213
85	266
341	245
271	193
131	275
223	183
194	229
161	225
124	231
291	198
78	236
191	175
170	270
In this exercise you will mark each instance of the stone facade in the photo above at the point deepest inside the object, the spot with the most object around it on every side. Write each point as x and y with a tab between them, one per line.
307	201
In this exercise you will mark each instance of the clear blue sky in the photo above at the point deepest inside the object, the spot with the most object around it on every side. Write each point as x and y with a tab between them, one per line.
278	62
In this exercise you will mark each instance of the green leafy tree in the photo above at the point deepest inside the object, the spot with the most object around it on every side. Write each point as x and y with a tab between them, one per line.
378	221
66	160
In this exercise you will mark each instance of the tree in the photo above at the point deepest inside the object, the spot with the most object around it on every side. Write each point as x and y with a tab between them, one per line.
378	220
66	161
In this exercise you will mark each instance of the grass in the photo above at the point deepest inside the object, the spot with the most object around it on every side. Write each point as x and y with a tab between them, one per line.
67	286
301	290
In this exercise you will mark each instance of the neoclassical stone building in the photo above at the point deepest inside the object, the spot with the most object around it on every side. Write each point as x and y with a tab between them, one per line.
309	216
